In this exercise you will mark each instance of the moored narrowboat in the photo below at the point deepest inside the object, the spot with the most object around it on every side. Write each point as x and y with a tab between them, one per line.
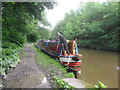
54	48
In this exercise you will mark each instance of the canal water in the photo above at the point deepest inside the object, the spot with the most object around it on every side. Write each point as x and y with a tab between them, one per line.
99	65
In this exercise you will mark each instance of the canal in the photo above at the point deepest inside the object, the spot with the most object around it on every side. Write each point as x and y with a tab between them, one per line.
99	65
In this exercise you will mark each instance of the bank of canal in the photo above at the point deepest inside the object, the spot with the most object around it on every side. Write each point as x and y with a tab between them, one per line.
97	66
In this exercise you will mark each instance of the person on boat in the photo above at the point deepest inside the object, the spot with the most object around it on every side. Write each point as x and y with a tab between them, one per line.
63	42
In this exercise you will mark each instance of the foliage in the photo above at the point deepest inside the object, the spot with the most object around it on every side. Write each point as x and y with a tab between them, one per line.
70	75
95	25
20	21
99	86
59	83
10	58
44	19
8	44
19	25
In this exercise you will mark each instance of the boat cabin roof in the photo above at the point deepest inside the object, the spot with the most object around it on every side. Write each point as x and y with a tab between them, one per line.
58	41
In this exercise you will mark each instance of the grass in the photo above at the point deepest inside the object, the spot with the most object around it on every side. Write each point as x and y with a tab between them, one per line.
46	61
70	75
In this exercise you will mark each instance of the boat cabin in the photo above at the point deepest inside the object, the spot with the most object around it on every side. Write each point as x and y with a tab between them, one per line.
54	48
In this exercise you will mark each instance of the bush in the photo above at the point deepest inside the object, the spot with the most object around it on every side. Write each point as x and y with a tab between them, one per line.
8	44
32	37
10	58
70	75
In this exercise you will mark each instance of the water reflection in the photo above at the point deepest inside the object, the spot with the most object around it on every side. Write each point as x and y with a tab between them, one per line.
99	66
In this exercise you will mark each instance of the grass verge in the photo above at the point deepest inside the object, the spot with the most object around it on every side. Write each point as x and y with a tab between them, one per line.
46	61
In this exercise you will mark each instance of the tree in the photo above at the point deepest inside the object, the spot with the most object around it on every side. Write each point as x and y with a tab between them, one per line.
94	24
19	20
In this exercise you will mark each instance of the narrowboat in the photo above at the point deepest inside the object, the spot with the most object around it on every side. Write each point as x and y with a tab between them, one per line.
54	48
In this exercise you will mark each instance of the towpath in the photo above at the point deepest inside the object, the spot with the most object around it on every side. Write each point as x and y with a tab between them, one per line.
26	74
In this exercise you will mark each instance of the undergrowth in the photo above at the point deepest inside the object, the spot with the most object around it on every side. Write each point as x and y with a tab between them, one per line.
9	57
59	83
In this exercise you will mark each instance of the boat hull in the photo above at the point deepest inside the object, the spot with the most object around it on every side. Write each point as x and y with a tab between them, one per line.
54	49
